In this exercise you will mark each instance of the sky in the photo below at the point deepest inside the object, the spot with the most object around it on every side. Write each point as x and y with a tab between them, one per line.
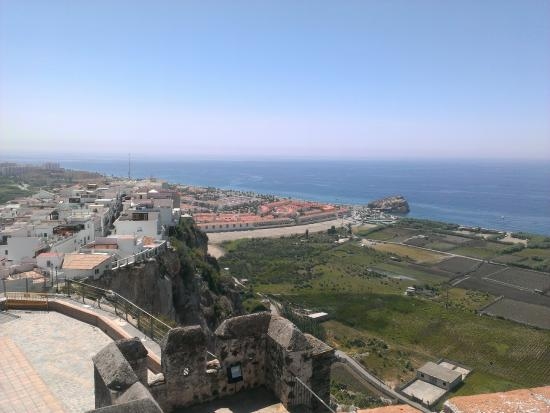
361	79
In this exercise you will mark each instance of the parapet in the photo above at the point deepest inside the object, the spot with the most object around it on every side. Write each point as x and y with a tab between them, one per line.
118	388
287	335
252	350
254	325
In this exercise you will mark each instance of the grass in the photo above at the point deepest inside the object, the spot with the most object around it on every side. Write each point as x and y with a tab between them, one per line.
390	333
9	189
504	349
416	254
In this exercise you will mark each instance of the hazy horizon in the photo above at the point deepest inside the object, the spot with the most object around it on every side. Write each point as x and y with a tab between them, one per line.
214	80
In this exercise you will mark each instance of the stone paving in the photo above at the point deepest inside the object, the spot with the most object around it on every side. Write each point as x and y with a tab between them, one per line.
109	312
21	388
59	351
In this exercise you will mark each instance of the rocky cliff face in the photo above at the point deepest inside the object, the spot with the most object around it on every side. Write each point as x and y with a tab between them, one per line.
397	204
182	284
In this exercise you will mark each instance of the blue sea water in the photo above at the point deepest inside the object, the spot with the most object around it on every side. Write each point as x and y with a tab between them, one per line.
508	195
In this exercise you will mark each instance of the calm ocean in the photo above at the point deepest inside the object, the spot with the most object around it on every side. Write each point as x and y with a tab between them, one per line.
508	195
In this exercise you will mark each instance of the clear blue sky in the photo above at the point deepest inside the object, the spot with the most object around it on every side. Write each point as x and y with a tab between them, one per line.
366	79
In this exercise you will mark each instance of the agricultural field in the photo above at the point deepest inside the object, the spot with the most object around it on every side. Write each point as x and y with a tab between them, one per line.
523	278
416	254
392	334
458	265
531	314
480	249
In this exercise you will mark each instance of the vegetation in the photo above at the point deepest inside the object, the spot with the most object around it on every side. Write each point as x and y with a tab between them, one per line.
11	188
362	290
191	245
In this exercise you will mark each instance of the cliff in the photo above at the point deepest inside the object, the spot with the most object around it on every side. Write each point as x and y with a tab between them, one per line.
182	284
397	204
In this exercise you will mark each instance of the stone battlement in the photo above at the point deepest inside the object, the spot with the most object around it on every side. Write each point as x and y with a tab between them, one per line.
252	350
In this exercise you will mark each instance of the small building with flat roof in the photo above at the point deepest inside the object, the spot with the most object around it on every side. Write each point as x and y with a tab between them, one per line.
439	375
78	265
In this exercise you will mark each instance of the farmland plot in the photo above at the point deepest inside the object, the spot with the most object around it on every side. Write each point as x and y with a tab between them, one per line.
457	265
531	314
532	280
486	269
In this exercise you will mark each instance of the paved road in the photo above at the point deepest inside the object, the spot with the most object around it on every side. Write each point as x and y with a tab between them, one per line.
377	382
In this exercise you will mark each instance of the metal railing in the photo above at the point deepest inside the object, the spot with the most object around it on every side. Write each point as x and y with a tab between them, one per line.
306	398
139	257
110	301
36	300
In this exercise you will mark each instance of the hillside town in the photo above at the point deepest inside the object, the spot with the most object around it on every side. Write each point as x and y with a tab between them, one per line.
79	230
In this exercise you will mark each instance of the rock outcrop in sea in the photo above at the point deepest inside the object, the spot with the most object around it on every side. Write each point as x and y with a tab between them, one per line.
396	204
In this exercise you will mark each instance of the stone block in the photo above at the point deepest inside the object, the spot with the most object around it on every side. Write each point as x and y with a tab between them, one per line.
136	406
255	325
287	335
135	353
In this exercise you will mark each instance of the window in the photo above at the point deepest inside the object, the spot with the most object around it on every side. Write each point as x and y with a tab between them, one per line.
6	252
96	271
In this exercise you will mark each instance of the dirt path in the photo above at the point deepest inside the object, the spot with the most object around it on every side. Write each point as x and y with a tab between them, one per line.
216	238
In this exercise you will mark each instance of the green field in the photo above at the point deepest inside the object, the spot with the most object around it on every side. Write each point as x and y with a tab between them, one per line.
393	334
10	189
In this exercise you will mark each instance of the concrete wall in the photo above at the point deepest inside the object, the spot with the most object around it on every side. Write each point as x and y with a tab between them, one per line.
139	228
21	247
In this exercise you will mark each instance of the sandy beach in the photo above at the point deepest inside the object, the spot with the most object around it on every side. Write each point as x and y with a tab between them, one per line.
216	238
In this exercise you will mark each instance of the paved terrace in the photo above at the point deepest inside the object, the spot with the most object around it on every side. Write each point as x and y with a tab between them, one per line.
46	363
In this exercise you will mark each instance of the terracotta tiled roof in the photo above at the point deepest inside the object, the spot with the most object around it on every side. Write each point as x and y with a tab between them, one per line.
400	408
536	400
84	261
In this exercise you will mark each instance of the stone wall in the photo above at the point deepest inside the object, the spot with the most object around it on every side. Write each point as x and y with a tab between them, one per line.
267	350
252	350
119	375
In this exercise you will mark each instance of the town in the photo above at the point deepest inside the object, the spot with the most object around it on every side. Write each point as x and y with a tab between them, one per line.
75	230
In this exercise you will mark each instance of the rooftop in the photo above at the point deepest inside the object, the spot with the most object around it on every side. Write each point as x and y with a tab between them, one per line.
78	261
535	400
400	408
439	372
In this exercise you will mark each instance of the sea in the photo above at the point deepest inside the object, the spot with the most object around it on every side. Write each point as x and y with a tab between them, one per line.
505	195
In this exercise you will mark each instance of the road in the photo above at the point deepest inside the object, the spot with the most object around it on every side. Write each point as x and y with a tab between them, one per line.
377	382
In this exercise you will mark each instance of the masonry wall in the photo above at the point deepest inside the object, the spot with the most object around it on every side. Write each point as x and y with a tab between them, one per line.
269	350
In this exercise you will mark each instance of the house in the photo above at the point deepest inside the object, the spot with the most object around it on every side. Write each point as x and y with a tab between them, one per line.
78	265
439	375
49	260
138	222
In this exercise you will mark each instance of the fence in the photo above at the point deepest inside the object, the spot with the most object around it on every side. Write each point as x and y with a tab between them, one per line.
111	301
140	256
306	398
17	300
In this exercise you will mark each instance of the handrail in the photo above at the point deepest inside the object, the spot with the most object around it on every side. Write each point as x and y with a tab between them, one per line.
314	394
144	321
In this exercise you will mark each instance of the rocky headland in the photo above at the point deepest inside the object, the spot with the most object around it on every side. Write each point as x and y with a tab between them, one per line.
394	204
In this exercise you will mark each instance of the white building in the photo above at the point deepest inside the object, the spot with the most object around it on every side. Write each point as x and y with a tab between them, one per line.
78	265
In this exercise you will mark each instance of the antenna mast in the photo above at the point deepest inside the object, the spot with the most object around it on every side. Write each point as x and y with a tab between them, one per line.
129	170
